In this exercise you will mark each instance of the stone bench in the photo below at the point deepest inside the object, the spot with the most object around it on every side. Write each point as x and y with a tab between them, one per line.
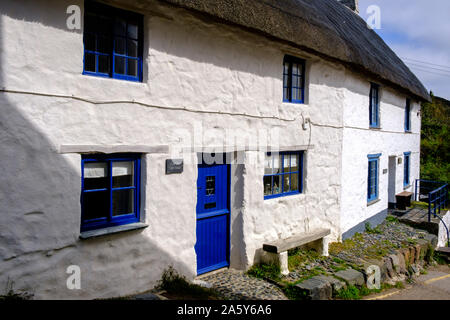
276	252
403	200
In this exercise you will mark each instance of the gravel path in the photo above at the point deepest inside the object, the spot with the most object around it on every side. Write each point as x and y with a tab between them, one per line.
235	285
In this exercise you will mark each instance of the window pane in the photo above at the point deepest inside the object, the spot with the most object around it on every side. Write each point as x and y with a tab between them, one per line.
119	45
89	62
123	202
286	163
268	164
119	65
132	48
132	31
294	182
89	42
286	68
96	175
123	174
119	27
103	25
210	186
294	162
295	94
103	45
103	64
267	185
276	163
95	205
295	69
89	22
276	184
287	184
132	67
286	94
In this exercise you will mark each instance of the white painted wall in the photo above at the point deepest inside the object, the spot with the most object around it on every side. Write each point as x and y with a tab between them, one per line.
188	63
360	141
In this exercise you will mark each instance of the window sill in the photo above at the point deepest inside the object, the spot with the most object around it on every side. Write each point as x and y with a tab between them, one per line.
373	202
112	230
407	186
375	128
408	131
283	196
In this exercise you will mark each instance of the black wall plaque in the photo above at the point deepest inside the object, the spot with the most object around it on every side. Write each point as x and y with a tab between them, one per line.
174	166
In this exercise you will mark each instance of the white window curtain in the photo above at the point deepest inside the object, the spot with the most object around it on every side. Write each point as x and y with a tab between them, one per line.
122	169
95	170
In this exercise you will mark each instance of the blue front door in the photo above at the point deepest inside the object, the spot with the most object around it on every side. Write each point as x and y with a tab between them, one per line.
213	213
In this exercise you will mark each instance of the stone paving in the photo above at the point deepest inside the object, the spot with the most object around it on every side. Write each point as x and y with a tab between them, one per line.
383	240
235	285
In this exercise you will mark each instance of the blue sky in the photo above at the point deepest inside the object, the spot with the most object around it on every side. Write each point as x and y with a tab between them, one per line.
419	32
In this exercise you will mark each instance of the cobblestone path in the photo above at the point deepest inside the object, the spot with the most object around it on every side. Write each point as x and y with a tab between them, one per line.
235	285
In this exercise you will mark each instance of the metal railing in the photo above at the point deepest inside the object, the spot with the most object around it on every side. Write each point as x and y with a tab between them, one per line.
435	193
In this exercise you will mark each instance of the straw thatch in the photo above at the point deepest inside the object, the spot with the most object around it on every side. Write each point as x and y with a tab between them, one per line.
324	27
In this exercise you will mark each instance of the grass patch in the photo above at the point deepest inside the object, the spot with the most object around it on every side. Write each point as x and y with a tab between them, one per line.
11	295
337	247
391	219
293	293
265	271
375	230
177	287
357	293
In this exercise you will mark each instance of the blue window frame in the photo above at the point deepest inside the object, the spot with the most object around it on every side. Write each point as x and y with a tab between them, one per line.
408	115
372	179
293	79
109	190
406	169
374	108
283	174
112	42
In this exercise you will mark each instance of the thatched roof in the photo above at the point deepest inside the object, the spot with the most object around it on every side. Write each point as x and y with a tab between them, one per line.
324	27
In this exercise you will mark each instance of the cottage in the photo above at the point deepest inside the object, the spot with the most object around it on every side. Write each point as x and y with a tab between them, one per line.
190	133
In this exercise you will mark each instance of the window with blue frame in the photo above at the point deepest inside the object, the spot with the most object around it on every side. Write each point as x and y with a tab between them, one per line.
408	115
109	190
374	110
372	181
293	79
406	169
283	174
112	42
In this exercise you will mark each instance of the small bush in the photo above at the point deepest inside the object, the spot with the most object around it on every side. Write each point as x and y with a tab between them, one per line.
349	293
177	285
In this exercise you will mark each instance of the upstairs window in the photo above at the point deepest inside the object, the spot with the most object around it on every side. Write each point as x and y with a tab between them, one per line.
408	115
112	42
372	183
406	169
293	80
374	108
109	190
283	174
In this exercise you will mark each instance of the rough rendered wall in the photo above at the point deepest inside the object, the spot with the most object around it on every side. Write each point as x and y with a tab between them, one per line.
188	63
360	141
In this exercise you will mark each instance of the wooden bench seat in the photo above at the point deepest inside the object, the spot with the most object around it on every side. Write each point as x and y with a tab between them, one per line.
276	251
